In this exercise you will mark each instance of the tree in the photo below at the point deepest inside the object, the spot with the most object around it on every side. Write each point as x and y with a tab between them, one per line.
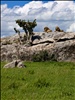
17	31
27	27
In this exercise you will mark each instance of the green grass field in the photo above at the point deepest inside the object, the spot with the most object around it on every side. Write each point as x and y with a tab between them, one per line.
39	81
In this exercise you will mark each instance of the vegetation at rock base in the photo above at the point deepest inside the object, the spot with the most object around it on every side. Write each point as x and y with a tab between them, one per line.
43	55
39	81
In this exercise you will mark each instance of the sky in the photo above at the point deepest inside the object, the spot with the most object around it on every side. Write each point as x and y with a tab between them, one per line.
47	13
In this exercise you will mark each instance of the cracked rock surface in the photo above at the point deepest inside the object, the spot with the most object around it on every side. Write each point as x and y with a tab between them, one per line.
61	44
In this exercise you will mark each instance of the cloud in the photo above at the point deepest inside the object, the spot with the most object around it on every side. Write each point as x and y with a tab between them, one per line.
51	14
71	28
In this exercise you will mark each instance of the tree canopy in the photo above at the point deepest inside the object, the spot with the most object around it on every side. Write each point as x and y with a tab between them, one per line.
27	25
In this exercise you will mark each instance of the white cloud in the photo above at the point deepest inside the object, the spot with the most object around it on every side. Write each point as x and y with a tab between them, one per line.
51	14
71	28
3	7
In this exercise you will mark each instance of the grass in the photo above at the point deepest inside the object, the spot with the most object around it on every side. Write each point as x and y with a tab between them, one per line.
39	81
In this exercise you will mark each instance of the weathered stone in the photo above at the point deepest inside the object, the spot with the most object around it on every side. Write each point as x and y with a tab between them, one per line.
21	65
15	63
61	44
3	57
64	37
10	65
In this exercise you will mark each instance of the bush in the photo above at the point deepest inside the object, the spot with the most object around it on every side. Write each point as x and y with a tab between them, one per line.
53	57
43	56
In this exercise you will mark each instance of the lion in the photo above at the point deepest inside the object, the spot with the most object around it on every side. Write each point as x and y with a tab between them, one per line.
46	29
57	29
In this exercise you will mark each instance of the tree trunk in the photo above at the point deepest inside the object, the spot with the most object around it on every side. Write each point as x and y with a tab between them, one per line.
19	37
30	38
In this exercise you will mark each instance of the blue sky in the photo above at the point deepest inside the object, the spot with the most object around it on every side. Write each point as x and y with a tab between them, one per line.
12	3
48	13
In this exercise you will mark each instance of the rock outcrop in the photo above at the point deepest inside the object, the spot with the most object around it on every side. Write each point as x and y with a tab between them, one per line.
15	63
59	44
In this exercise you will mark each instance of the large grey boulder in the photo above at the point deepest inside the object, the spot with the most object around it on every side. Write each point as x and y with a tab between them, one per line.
21	65
15	63
65	50
11	64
